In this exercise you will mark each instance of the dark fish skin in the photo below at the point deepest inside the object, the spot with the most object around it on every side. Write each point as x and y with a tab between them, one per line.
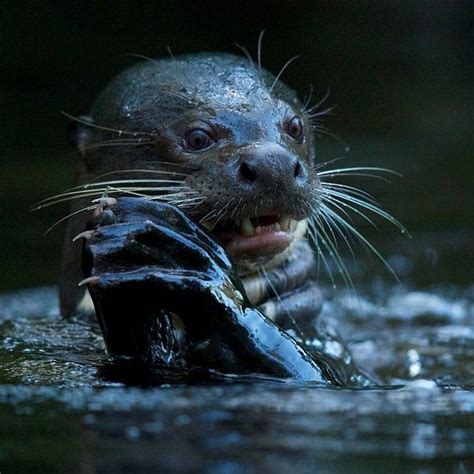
146	260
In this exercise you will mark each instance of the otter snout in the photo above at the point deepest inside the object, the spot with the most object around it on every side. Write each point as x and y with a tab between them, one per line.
271	167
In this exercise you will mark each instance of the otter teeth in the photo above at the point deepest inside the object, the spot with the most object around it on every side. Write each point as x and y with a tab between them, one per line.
247	227
284	223
293	225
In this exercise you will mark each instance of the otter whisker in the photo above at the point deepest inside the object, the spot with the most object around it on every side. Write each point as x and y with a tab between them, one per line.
335	200
321	232
183	194
178	199
191	205
78	190
185	200
218	217
246	53
282	70
364	175
125	141
120	141
359	171
134	192
208	216
131	190
145	171
184	204
307	99
323	220
88	208
349	190
321	113
68	196
176	193
340	207
127	181
170	53
159	162
326	163
111	143
71	196
363	240
235	208
259	51
320	130
101	127
310	241
141	56
341	204
331	194
361	168
346	236
318	104
261	270
74	193
335	257
318	127
315	237
222	213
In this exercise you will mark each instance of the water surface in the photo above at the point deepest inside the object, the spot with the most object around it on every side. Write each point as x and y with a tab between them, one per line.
65	406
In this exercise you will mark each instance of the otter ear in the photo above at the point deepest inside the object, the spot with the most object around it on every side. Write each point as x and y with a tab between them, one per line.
80	134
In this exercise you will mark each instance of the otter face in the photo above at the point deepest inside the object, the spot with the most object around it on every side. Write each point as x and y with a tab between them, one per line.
241	143
254	171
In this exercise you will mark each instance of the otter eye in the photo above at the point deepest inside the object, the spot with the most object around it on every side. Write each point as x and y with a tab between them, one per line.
294	128
198	139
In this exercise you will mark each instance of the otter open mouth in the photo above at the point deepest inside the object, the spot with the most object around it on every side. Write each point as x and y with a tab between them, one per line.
256	238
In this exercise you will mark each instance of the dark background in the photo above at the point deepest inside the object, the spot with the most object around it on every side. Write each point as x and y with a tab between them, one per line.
401	74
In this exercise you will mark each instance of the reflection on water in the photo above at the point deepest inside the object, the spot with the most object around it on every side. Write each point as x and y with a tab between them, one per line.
244	428
64	406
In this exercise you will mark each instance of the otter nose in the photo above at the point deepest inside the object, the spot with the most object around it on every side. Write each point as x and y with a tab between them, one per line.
277	168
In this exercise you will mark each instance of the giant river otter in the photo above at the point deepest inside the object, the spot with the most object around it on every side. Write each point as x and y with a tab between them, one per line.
197	187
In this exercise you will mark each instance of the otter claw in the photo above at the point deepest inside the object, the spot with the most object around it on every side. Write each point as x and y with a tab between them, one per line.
102	203
87	234
89	280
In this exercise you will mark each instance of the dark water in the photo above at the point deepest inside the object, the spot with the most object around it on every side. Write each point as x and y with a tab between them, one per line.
65	407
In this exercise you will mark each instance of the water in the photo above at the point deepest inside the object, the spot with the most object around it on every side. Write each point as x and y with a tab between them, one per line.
65	407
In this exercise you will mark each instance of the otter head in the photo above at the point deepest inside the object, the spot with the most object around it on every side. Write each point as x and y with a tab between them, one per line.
234	144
